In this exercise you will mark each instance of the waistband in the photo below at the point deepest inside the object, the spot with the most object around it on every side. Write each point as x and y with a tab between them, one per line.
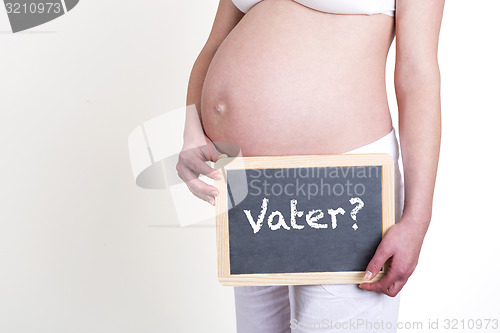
387	144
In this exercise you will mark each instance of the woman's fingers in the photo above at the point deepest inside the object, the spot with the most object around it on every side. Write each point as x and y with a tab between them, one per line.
195	184
200	167
382	254
194	159
203	191
189	168
192	163
395	249
383	285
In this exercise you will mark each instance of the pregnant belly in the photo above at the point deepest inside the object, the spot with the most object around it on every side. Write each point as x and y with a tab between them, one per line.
292	80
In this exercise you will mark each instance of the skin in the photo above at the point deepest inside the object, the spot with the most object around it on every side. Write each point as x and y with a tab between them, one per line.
417	84
246	80
292	87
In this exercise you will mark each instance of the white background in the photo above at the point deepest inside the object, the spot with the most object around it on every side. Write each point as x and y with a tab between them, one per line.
83	249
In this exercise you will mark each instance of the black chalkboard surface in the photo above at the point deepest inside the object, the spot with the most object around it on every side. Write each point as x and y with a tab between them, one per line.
305	219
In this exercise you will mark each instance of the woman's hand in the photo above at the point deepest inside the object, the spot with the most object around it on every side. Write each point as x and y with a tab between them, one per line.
191	164
400	247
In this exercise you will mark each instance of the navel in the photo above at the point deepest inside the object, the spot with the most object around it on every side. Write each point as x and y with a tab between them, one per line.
220	108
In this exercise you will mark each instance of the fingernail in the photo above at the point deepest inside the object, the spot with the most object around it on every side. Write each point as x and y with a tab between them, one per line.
212	202
368	275
218	176
215	193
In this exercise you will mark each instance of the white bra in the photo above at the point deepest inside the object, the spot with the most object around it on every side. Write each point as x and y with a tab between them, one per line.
368	7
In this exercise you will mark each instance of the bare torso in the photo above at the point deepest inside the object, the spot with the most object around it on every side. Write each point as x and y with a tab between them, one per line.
292	80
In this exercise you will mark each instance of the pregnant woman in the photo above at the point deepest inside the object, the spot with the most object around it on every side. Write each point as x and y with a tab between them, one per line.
295	77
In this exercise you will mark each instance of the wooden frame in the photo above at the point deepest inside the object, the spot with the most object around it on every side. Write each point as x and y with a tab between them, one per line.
297	161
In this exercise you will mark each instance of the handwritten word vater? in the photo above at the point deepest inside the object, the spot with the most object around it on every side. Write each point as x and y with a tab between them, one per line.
312	217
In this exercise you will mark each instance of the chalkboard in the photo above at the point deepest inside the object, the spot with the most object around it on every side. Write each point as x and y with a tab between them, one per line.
305	219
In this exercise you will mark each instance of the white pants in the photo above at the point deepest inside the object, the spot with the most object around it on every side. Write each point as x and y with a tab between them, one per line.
327	307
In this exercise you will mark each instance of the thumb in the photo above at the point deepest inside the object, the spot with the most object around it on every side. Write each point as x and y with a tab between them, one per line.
382	254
